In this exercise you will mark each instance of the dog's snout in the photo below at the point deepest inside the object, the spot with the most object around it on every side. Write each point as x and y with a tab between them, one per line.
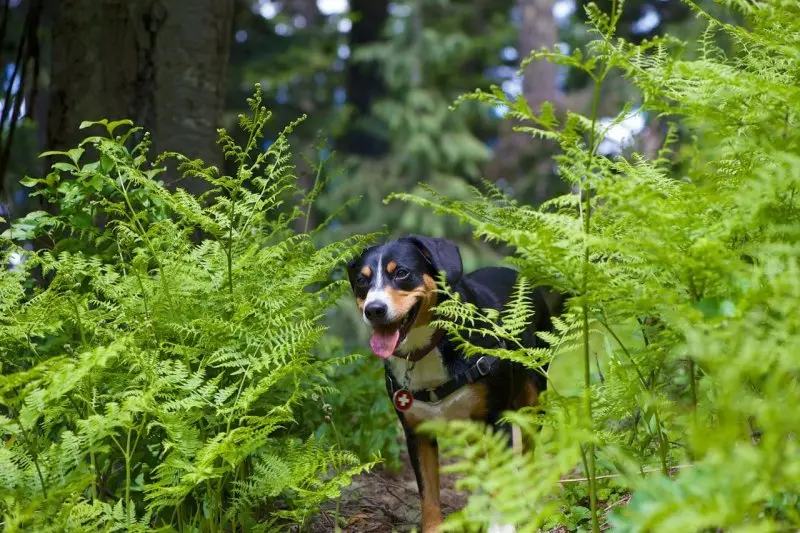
376	311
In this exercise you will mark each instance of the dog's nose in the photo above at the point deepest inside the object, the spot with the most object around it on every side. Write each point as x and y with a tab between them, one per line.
375	311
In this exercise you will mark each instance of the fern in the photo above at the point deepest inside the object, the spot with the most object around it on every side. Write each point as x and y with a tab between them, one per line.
150	381
683	272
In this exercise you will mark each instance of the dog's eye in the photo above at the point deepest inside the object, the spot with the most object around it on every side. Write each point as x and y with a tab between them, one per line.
401	273
362	282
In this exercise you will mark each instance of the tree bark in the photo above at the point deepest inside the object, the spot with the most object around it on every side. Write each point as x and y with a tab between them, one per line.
364	79
537	30
161	63
191	60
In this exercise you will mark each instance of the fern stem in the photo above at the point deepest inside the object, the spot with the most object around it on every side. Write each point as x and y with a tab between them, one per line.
587	367
135	219
662	444
128	477
228	430
313	189
338	437
587	399
693	384
212	519
180	516
39	473
590	480
32	451
78	321
92	459
145	300
230	241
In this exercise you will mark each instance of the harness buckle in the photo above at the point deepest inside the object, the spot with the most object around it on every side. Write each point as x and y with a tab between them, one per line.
480	368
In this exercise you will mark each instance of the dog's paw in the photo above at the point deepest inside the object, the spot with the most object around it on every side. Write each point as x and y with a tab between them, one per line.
501	528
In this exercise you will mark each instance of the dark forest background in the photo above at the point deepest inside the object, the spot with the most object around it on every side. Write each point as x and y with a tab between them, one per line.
375	77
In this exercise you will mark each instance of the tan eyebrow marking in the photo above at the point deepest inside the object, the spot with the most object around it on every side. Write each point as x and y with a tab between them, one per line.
367	271
391	267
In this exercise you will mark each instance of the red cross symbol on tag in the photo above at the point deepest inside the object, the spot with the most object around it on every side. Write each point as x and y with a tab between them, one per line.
403	400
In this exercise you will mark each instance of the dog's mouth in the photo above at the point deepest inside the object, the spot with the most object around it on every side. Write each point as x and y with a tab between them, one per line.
387	337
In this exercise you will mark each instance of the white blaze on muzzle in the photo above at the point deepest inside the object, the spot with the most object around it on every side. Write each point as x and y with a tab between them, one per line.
377	294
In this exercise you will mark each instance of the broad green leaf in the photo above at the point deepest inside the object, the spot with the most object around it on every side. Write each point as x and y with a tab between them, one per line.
111	126
88	123
75	155
63	166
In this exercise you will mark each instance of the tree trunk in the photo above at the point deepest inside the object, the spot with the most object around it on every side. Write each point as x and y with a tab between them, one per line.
538	31
161	63
515	150
364	79
191	60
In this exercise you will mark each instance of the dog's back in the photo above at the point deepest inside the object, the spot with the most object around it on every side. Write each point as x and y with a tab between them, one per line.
494	287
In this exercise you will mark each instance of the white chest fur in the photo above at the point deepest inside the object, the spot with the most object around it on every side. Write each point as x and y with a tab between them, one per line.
428	373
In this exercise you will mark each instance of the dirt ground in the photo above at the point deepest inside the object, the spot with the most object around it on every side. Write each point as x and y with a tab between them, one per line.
379	502
382	502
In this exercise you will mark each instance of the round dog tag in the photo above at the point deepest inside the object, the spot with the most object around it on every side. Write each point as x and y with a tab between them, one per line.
403	400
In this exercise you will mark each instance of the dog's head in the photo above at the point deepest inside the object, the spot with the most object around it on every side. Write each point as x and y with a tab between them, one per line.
395	289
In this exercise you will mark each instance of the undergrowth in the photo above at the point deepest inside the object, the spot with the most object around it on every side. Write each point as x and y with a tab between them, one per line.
684	275
155	353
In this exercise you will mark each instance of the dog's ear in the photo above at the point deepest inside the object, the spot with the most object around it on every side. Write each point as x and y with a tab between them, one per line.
351	269
442	254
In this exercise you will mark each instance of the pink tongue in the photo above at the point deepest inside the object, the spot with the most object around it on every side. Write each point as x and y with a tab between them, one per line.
383	344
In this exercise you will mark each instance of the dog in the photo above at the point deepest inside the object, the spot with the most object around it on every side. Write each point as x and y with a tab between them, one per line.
427	374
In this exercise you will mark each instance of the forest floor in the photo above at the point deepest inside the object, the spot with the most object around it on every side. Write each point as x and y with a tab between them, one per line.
383	502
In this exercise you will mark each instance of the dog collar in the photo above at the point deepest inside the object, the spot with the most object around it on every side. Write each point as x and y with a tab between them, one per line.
419	353
403	398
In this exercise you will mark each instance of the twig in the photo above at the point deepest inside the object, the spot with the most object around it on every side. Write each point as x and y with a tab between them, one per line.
387	482
398	498
609	476
624	499
381	508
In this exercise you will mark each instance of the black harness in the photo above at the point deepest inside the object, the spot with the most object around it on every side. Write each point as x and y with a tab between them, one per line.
481	367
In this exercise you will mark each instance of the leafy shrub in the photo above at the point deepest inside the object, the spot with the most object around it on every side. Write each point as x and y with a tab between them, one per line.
360	418
684	270
150	379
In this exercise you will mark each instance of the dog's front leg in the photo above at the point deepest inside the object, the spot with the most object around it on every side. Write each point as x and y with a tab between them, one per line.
424	455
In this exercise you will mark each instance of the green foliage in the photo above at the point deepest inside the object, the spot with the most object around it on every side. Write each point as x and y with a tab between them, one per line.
683	271
430	52
361	418
427	141
151	378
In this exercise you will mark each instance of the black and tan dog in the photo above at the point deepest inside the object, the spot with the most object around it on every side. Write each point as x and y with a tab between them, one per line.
427	375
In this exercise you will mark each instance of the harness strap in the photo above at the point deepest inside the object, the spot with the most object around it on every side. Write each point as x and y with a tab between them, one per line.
483	366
